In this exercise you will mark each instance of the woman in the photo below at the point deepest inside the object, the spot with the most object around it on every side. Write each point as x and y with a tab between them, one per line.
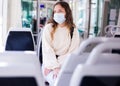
57	41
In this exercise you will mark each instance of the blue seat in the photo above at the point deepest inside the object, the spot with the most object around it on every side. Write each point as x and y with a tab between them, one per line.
20	41
116	35
18	81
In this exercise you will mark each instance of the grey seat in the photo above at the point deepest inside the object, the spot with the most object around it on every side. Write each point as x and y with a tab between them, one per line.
99	73
18	68
117	35
39	46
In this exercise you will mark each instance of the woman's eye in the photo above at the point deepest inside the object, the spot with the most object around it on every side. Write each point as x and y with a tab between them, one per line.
58	11
54	11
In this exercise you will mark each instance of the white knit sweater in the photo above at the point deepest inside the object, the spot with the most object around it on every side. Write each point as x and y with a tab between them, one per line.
61	45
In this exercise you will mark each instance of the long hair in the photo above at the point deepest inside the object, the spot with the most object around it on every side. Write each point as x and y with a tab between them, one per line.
69	18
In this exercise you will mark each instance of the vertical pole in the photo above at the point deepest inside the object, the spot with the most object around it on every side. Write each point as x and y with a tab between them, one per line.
118	23
89	19
5	22
38	15
38	20
97	19
105	18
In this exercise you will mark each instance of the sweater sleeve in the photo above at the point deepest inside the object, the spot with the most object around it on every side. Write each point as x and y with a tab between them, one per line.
75	42
49	56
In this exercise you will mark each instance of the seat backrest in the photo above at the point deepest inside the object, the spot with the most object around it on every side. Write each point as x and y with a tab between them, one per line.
93	73
19	56
39	46
100	49
20	40
99	75
100	81
110	30
116	35
20	69
90	43
18	81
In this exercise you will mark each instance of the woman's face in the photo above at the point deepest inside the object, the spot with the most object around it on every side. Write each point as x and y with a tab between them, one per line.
59	9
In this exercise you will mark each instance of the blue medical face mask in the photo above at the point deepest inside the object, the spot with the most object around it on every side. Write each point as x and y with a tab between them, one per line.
59	18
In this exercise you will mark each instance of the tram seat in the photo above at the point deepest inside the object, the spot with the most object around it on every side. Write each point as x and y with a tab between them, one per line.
90	75
19	68
20	39
20	56
116	35
39	39
104	73
76	58
39	46
110	30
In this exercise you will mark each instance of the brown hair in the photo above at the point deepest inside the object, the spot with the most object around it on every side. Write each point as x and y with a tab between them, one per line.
69	19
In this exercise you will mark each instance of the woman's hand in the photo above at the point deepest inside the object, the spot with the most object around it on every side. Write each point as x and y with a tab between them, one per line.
56	71
47	71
